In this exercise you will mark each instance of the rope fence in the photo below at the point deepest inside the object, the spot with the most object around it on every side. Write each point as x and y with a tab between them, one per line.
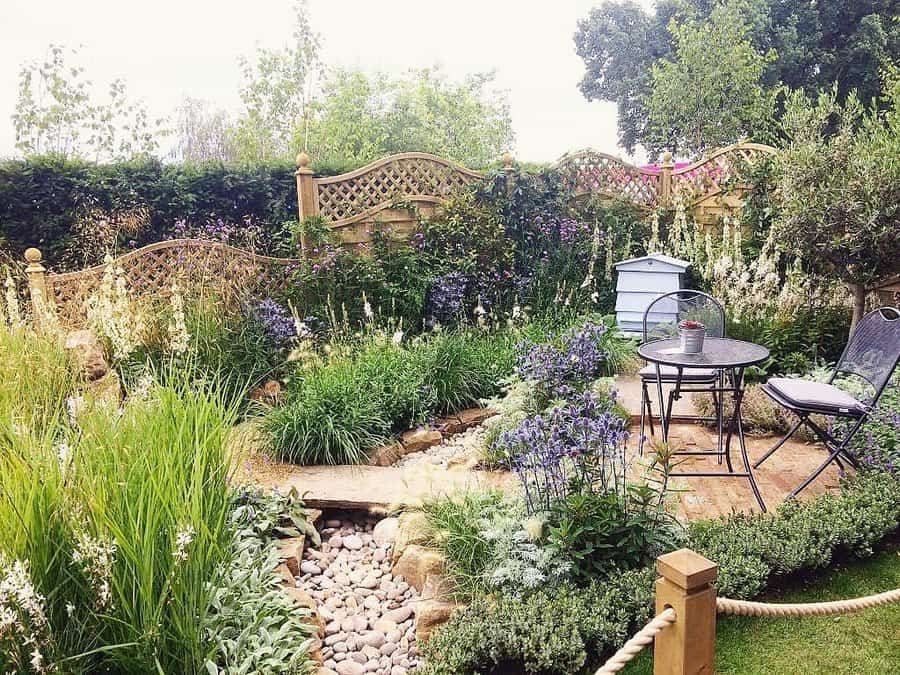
687	583
636	644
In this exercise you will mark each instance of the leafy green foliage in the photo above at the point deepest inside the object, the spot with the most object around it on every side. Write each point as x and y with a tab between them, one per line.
546	632
337	411
815	45
751	550
839	187
715	61
253	624
602	533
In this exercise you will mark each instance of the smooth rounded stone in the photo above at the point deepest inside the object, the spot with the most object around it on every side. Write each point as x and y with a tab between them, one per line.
337	637
398	657
371	666
326	613
402	586
331	628
362	593
309	567
349	667
339	647
396	595
373	638
330	663
328	572
385	662
372	602
341	579
381	595
356	576
393	635
379	555
348	624
352	644
353	542
360	623
387	585
396	670
351	602
327	652
370	652
340	614
339	657
359	657
334	602
335	541
388	648
399	615
370	582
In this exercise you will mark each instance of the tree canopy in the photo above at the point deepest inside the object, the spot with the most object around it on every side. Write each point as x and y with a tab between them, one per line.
814	44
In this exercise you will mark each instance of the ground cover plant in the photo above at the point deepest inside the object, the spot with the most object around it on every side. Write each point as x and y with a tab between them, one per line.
511	630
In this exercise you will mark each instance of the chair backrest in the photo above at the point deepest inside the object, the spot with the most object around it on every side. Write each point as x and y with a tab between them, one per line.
662	316
873	351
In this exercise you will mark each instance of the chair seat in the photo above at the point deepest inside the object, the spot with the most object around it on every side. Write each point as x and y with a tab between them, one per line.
670	374
815	396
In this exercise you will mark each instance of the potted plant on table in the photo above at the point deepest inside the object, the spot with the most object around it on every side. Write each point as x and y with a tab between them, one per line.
692	334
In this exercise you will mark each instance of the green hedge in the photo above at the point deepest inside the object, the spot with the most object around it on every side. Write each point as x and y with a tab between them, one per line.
41	197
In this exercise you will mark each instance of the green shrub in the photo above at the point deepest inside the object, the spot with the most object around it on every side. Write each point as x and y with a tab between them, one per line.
751	549
552	632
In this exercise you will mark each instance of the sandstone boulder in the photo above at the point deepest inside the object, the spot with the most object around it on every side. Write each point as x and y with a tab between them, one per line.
419	440
430	614
416	563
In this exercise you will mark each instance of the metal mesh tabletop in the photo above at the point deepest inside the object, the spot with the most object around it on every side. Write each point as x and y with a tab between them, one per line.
717	353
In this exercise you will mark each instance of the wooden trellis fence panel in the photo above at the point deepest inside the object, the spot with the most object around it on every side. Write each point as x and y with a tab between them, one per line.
354	203
596	173
149	273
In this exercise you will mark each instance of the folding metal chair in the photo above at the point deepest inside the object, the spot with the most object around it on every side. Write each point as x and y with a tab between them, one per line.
871	354
661	319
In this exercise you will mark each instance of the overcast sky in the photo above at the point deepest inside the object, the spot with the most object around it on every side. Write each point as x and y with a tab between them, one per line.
168	49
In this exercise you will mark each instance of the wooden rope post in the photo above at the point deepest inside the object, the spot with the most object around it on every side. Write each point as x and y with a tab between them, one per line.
666	167
307	194
688	646
37	284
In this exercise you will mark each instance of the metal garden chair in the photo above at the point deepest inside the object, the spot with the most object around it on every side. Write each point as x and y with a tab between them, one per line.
871	355
661	319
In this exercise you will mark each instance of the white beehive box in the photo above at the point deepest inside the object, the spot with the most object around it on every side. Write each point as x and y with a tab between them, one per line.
639	282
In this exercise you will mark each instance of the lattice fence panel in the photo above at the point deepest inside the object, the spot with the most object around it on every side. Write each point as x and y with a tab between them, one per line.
596	173
694	182
195	265
390	180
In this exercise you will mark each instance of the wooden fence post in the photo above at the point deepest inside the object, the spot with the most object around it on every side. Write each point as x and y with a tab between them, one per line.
307	195
688	646
509	169
37	285
665	179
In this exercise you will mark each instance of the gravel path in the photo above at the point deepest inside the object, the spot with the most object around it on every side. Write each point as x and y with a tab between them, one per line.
368	613
456	447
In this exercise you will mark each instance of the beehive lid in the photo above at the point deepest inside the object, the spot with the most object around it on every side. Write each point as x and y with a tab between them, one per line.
655	262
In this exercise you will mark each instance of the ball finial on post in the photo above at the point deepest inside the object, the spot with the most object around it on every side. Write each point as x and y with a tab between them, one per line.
33	256
507	160
667	158
302	160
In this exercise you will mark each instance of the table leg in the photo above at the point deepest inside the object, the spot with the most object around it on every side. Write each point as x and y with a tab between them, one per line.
663	422
738	384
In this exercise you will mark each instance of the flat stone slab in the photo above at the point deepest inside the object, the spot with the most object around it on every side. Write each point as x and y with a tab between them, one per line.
377	487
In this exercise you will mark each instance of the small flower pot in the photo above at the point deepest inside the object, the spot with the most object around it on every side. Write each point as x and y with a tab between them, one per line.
692	340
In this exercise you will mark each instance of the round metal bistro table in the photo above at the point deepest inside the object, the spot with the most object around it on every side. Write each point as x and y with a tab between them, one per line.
729	358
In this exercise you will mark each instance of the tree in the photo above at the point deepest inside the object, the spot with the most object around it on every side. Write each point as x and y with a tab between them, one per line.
360	118
203	133
710	93
816	44
839	187
56	114
279	87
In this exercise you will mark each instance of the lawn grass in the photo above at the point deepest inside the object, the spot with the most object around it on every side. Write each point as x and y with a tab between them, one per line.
864	643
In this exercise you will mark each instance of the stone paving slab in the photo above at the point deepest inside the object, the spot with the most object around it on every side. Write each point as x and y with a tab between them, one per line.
378	487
